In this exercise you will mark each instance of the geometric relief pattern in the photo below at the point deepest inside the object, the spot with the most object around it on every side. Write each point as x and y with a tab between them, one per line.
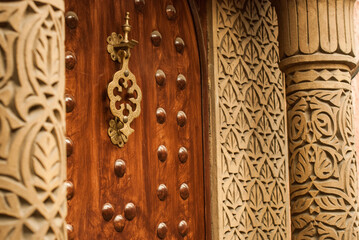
32	120
323	169
251	122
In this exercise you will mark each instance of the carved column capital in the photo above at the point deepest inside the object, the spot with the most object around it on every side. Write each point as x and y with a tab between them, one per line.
315	31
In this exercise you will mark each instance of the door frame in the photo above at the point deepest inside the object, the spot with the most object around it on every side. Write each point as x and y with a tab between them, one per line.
199	11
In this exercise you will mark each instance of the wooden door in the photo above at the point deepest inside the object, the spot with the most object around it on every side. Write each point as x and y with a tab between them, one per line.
157	191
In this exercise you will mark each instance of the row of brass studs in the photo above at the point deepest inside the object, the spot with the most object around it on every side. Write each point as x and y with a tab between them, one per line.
71	20
156	38
162	191
162	154
161	116
162	229
161	79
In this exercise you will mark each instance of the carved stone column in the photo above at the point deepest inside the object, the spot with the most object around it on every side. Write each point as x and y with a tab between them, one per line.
32	120
316	49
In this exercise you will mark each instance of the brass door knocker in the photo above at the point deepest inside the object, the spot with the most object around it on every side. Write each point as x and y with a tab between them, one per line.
124	93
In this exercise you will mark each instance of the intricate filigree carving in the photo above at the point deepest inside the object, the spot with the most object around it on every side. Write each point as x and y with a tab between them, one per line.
323	173
32	120
253	194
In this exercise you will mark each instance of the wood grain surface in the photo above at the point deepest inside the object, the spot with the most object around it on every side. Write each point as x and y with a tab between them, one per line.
91	164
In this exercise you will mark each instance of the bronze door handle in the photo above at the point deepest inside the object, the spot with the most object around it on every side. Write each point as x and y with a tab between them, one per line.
124	93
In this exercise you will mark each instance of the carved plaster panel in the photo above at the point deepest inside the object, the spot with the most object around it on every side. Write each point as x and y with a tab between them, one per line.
32	120
253	196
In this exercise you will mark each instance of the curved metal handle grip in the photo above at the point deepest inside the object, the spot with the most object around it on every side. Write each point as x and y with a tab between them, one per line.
124	93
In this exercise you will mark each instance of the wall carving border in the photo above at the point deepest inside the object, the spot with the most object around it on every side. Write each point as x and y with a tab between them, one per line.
253	196
32	120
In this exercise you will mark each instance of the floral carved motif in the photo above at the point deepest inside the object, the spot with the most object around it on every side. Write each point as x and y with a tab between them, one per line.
323	169
251	131
32	120
317	59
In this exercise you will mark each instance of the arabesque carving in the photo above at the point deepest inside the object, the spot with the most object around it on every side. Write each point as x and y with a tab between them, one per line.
323	173
32	120
317	59
251	130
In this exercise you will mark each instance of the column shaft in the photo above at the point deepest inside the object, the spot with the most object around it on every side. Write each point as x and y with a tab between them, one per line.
316	49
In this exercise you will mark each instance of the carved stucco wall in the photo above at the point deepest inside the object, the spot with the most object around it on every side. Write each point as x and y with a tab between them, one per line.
32	120
252	191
